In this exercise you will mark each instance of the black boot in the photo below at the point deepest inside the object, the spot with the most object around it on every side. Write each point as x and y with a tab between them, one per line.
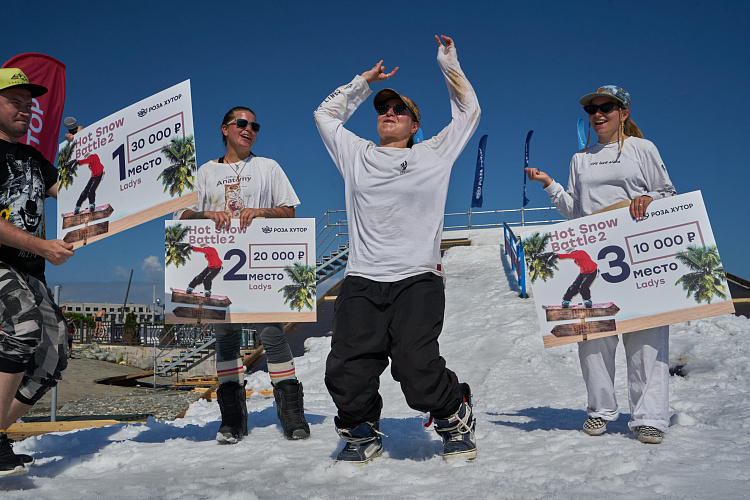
10	463
290	408
231	396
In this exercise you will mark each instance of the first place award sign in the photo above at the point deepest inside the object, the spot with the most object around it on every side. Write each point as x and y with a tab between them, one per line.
128	168
264	273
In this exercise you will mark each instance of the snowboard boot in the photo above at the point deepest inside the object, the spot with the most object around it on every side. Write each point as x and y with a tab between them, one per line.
10	463
92	208
588	304
207	293
231	396
189	290
290	409
76	210
457	430
565	304
363	443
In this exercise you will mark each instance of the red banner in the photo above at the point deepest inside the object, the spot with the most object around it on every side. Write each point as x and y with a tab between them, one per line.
47	110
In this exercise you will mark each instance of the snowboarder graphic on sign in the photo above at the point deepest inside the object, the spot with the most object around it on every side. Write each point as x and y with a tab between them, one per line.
206	276
97	172
582	283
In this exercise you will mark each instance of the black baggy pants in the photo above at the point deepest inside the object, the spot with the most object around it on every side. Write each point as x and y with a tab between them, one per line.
206	277
581	285
90	191
374	321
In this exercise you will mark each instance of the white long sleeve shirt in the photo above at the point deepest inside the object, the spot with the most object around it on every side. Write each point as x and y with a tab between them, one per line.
600	177
395	197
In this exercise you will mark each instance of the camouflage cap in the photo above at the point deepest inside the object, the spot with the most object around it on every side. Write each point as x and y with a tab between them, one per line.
613	91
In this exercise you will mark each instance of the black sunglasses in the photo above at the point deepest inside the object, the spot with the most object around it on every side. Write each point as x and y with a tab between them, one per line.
398	109
242	124
605	107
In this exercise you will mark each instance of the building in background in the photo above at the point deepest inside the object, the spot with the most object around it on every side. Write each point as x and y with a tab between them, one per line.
143	312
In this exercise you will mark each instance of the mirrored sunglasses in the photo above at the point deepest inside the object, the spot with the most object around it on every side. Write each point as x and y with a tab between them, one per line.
242	124
398	109
604	107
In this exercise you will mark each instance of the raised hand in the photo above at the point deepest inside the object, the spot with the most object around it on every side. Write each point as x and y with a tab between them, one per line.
448	41
377	73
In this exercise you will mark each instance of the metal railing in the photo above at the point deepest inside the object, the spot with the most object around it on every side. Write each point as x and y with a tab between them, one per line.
111	332
511	217
332	230
332	236
186	346
189	345
514	249
332	244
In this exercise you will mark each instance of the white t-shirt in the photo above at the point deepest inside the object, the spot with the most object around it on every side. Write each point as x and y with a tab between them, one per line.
395	198
600	177
255	182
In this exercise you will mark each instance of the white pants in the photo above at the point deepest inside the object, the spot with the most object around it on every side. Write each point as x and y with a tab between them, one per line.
647	354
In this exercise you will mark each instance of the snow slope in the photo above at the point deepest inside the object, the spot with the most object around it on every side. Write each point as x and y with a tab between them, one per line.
529	404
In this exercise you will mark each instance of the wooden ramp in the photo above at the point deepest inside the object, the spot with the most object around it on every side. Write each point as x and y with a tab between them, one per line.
70	423
456	242
125	380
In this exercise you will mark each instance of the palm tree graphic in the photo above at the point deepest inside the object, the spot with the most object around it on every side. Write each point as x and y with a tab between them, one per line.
301	292
178	176
707	278
67	166
541	264
176	252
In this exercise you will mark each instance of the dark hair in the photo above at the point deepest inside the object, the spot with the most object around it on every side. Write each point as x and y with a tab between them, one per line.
230	115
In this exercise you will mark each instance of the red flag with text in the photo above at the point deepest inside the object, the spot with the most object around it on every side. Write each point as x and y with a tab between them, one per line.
46	110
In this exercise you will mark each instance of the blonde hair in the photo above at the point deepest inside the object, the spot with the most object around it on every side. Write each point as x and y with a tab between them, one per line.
631	129
627	128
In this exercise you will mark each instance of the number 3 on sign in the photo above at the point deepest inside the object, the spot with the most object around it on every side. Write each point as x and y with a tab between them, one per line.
617	263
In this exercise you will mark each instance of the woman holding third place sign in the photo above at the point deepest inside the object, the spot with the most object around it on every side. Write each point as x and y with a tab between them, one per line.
622	165
240	185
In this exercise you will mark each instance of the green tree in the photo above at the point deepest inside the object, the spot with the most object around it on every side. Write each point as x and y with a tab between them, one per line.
301	292
176	251
67	166
130	330
540	264
707	279
178	176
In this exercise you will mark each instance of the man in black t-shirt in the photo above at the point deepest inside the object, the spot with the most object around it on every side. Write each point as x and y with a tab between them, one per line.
32	327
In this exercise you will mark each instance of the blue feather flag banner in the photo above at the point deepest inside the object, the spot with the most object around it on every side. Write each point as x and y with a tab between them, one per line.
525	166
581	134
418	137
476	194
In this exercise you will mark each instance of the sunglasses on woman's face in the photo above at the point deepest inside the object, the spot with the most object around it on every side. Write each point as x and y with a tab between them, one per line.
604	107
398	109
242	124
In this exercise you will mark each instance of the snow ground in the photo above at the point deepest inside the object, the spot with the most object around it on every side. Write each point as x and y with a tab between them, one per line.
529	402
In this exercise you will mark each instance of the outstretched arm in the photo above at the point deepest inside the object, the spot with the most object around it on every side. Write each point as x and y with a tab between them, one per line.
465	111
534	174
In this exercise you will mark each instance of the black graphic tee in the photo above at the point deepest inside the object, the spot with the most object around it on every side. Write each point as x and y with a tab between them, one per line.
25	177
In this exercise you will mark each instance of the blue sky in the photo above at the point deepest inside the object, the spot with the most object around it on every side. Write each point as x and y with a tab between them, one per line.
685	64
